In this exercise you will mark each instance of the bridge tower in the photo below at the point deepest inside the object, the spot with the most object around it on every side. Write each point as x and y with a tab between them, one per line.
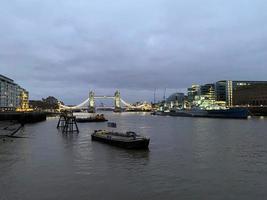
117	101
91	108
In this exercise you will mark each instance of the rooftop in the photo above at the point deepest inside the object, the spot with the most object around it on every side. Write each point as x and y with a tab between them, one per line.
2	77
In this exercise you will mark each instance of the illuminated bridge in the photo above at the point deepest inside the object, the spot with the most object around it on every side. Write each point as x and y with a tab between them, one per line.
90	103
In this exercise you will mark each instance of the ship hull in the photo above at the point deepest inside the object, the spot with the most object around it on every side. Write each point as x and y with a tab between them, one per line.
232	113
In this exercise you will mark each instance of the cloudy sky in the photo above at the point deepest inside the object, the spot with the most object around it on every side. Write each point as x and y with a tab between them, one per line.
67	47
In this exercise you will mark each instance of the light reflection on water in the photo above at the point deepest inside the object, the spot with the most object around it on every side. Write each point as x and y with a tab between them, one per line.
188	158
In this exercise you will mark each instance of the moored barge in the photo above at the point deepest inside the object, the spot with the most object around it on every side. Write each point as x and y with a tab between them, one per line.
97	118
128	140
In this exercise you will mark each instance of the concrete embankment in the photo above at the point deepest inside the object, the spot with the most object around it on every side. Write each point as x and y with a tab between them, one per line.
258	111
23	117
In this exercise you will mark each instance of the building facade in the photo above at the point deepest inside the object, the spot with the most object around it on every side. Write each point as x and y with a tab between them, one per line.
220	90
192	92
208	90
12	96
176	100
242	93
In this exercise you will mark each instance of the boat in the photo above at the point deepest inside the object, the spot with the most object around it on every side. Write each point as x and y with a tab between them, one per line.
233	113
128	140
97	118
161	113
205	107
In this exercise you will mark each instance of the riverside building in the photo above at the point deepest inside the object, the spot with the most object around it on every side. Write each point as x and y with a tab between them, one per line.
242	93
201	93
176	100
192	92
232	93
12	96
208	90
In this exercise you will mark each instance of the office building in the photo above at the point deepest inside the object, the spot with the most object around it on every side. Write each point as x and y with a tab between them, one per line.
192	92
208	90
242	93
12	96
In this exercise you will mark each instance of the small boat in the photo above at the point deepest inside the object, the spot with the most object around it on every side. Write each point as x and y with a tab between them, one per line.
128	140
97	118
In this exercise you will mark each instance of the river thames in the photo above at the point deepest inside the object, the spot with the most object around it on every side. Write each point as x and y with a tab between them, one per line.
188	158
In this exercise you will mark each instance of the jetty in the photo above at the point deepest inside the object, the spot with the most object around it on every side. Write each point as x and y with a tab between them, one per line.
67	123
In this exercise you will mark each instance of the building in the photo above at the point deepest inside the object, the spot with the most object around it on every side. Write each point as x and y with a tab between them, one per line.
242	93
176	100
204	102
50	100
12	96
192	92
229	93
208	90
23	100
246	93
220	90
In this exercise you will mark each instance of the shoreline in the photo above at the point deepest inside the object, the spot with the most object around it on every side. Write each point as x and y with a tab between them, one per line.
23	117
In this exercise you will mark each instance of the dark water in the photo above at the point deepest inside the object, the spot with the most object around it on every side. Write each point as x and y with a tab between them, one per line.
189	158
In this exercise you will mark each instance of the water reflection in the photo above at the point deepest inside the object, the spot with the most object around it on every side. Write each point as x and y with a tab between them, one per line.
69	137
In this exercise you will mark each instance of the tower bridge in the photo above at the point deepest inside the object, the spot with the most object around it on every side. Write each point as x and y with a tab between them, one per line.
89	103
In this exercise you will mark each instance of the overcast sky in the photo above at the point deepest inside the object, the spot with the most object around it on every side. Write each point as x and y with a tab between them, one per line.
65	48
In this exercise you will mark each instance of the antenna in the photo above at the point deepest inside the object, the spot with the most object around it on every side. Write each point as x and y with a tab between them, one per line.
164	97
155	95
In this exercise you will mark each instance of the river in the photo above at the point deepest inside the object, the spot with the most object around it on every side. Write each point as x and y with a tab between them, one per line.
188	158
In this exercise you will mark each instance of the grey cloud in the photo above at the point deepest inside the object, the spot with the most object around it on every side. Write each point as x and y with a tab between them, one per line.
65	48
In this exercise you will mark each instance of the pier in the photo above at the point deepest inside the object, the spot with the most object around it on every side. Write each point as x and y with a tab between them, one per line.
67	123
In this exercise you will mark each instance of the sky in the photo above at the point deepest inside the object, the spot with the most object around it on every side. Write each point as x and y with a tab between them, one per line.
65	48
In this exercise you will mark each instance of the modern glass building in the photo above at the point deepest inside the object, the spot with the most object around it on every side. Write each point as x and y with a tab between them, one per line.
208	90
220	90
192	92
242	93
12	96
176	99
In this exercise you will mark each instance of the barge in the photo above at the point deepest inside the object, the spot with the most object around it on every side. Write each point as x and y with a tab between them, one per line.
128	140
97	118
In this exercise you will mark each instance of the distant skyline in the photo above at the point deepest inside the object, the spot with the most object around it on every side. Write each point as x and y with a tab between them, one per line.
66	48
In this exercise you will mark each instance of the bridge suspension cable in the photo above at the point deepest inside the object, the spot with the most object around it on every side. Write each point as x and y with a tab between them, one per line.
100	97
75	107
